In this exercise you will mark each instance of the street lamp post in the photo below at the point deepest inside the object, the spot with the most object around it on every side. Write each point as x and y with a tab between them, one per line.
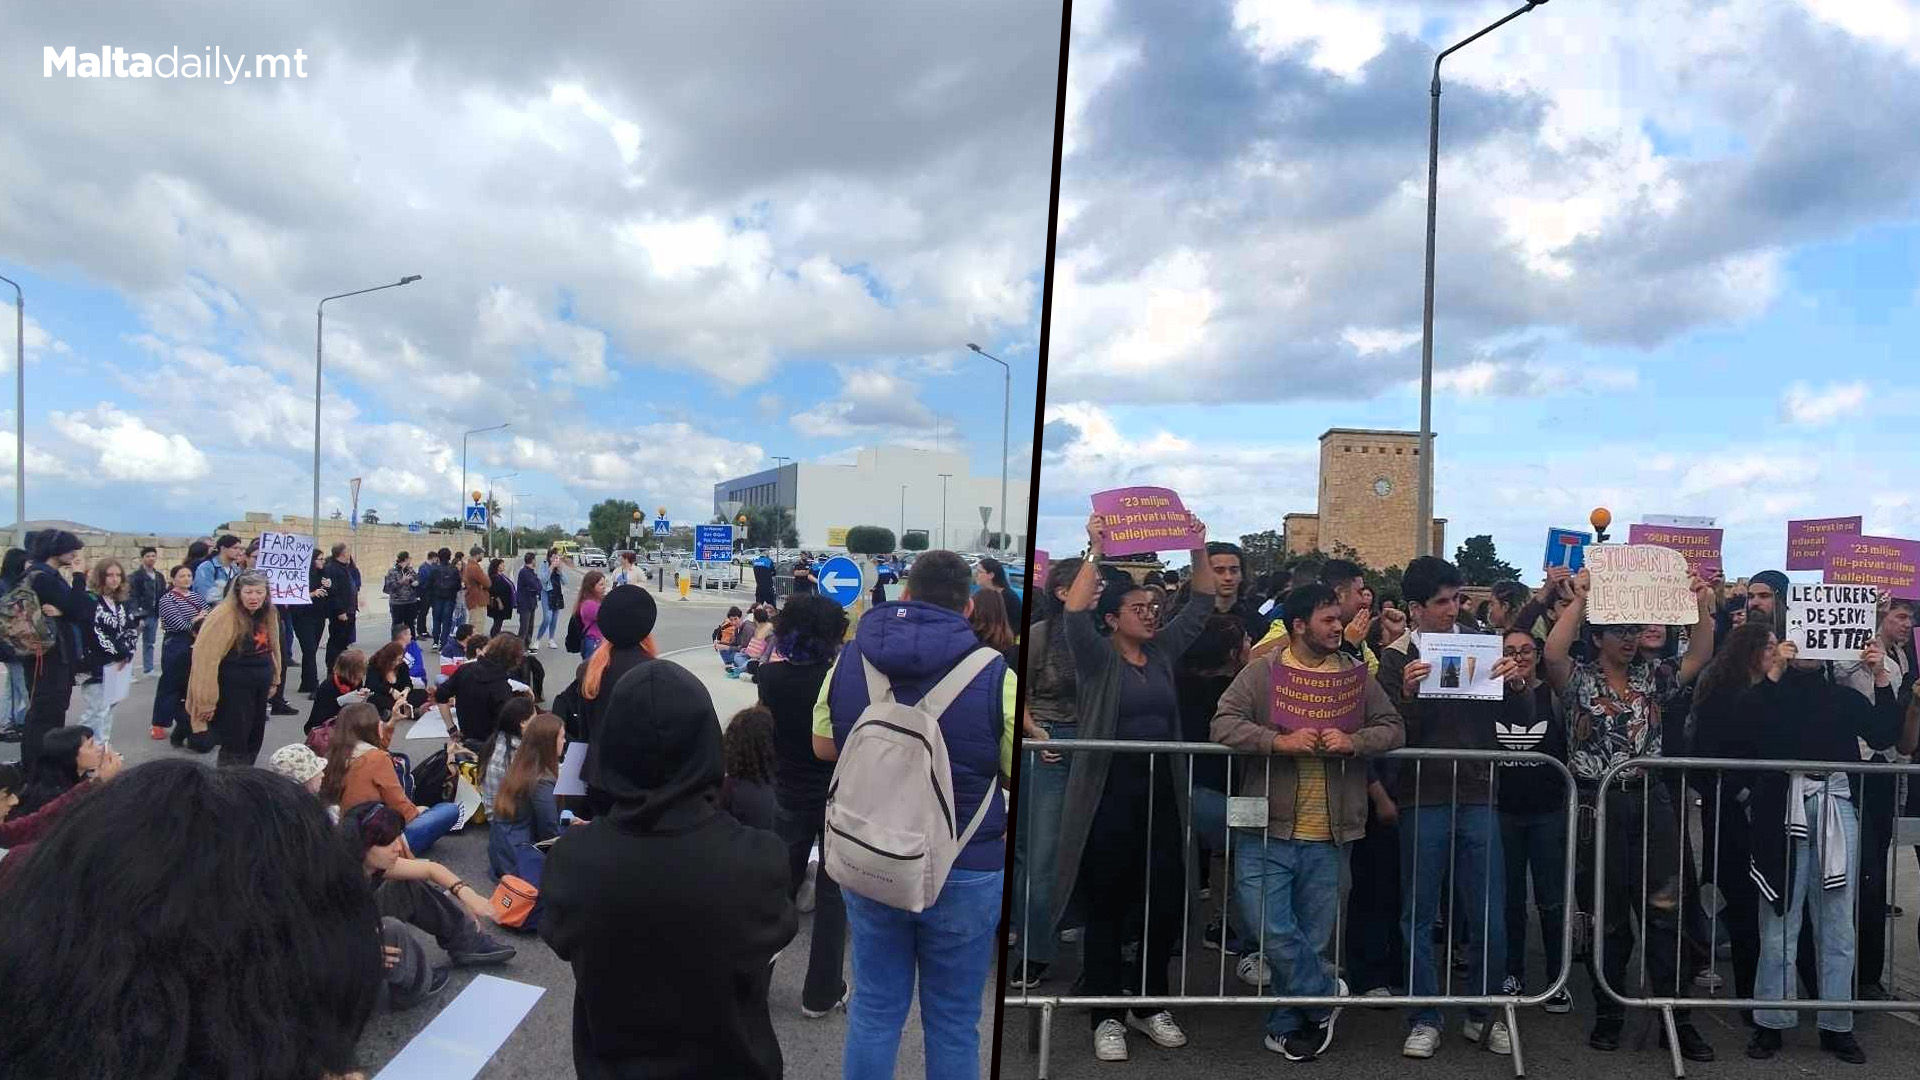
462	515
1423	543
319	322
903	511
1006	417
490	483
943	509
20	415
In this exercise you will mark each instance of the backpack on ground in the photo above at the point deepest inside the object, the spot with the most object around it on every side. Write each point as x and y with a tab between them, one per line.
890	830
23	626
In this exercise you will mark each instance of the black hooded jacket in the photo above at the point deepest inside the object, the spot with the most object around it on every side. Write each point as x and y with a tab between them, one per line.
669	910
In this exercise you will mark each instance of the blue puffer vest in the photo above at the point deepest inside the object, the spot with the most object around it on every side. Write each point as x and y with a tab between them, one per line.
914	644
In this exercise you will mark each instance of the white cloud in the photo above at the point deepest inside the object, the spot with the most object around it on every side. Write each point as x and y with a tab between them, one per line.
128	449
1803	406
874	400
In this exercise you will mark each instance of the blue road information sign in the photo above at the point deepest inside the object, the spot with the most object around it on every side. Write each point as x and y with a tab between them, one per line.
713	543
414	527
839	580
477	516
1568	548
662	527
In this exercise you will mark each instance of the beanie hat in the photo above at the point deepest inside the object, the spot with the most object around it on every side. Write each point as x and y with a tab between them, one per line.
1773	579
297	763
627	616
50	544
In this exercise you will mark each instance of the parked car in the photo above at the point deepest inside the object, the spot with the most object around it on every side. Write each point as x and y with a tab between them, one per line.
590	557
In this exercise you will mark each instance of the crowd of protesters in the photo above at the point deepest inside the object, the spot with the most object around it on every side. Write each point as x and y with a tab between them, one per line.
1375	876
689	847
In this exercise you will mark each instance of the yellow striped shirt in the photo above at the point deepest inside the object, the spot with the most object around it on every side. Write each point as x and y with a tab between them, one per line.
1311	819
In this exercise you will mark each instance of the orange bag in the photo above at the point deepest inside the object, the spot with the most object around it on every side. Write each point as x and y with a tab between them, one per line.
513	901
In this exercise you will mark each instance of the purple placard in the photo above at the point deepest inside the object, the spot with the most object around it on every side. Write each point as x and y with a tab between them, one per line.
1315	700
1807	540
1700	547
1142	520
1887	562
1037	577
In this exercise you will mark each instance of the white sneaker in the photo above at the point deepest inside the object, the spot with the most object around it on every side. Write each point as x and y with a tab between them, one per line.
1253	970
813	1014
1110	1041
1421	1042
1326	1038
552	644
1498	1040
534	647
1160	1028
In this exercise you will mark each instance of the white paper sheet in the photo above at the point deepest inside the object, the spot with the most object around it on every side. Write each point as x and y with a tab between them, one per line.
460	1041
429	726
570	782
1462	666
519	687
117	680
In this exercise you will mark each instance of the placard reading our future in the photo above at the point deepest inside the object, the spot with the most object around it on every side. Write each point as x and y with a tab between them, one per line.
1315	700
1639	583
1831	622
1700	547
1142	520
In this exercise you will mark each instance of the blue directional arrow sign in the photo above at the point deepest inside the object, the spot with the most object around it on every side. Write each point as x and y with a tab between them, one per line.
477	516
839	580
713	543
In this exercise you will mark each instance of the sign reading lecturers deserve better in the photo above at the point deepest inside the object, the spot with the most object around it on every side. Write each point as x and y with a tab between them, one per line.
1143	520
1807	540
1314	700
1830	622
1639	583
284	559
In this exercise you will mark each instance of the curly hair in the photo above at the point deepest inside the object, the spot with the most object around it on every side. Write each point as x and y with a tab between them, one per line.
810	629
255	950
747	746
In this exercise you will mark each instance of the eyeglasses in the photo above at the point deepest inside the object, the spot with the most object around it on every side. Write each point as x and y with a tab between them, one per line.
1141	609
1623	630
1524	650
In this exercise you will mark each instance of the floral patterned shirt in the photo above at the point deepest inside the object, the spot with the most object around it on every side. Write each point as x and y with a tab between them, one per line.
1605	727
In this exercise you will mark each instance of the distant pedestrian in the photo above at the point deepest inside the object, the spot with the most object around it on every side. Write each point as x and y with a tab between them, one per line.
555	601
476	586
54	572
527	591
108	640
210	578
147	584
446	598
343	602
236	668
402	587
181	611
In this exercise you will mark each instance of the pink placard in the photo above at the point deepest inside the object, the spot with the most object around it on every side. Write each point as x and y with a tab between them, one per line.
1037	578
1701	547
1142	520
1315	700
1885	561
1807	540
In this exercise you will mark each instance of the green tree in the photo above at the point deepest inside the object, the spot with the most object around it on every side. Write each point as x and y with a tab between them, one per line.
1480	565
370	516
446	524
914	540
1265	551
607	522
771	526
869	540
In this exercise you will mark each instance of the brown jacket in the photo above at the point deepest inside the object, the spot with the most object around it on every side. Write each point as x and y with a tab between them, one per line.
474	576
371	778
218	636
1244	721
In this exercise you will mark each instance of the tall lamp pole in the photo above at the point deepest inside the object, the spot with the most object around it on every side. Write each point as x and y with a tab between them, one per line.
20	414
319	323
943	508
464	436
1423	543
490	483
1006	417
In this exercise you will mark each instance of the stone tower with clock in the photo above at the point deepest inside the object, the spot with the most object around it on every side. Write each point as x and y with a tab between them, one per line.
1369	484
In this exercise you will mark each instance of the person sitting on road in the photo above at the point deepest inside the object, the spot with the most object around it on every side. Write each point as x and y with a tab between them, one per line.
359	769
197	983
523	812
20	831
481	686
347	685
747	792
729	641
68	755
497	755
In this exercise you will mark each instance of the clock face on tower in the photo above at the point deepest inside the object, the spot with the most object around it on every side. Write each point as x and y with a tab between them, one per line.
1383	487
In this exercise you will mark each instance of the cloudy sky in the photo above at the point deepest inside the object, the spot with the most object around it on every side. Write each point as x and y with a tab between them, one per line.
1676	261
665	242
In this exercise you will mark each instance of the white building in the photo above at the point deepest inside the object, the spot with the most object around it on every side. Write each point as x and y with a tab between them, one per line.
894	487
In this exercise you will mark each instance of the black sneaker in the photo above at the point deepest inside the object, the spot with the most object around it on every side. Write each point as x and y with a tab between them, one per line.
1764	1044
1296	1045
1605	1036
177	737
281	708
1028	975
1211	937
485	950
1693	1045
1843	1045
12	733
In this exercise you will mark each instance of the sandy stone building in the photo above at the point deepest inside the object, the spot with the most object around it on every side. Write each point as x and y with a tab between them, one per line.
1369	495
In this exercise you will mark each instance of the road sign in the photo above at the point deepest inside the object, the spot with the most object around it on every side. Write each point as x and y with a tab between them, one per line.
414	527
662	527
839	580
836	536
633	530
477	516
713	543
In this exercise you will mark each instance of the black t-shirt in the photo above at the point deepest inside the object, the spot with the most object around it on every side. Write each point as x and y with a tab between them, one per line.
789	691
1199	697
803	582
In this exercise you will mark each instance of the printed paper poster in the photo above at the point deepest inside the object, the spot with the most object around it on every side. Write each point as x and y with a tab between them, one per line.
1462	666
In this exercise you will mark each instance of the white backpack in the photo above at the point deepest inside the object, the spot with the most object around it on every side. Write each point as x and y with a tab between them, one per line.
891	835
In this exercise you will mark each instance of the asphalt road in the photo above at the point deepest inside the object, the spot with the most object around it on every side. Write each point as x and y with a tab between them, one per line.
541	1046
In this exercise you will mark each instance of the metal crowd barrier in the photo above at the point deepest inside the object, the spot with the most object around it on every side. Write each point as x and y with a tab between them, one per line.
1419	760
1688	769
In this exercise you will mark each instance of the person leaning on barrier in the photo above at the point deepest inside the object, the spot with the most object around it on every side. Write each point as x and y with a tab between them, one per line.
1288	875
1121	823
1050	714
1615	704
1806	833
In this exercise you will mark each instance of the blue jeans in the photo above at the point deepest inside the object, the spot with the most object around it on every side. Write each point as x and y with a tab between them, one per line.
950	947
734	659
443	621
1209	808
1042	795
549	621
1536	842
17	693
149	629
1427	833
1833	936
1294	887
587	646
430	825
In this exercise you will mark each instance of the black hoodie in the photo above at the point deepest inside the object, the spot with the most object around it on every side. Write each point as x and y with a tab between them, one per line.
669	910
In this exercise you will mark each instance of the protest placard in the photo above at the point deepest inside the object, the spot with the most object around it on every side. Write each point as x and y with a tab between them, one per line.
1830	622
1639	583
1142	520
1890	563
1462	666
1042	562
1314	700
284	559
1807	540
1567	547
1700	547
